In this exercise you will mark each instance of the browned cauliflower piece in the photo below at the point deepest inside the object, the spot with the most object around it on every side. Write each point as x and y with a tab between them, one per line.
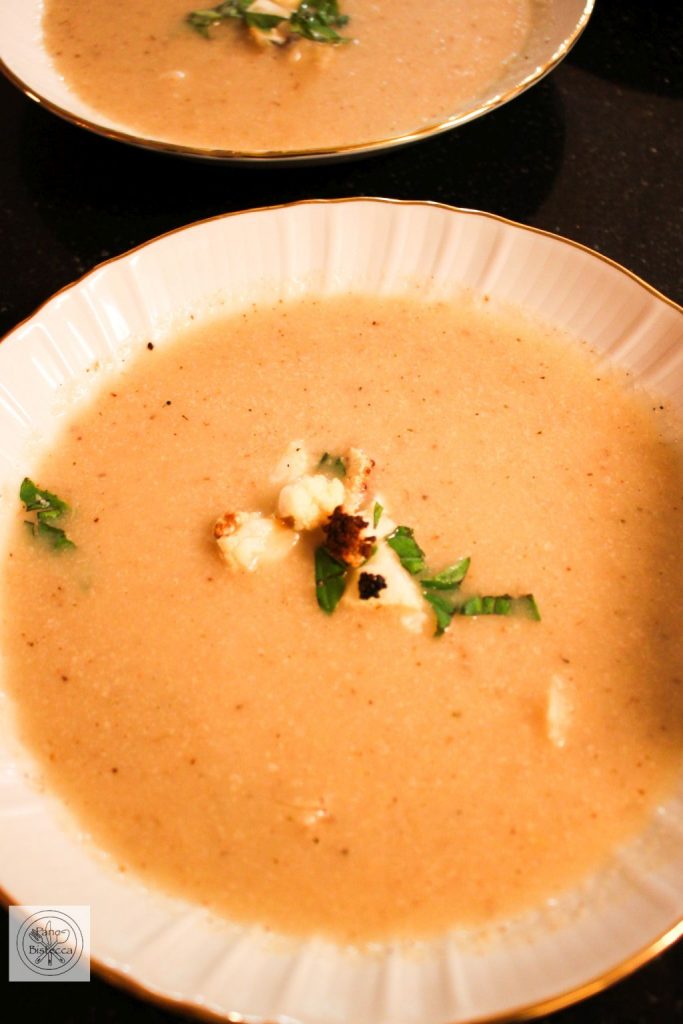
246	539
346	538
359	466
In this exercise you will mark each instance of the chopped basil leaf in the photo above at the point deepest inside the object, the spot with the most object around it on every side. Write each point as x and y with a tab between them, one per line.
408	550
443	609
202	20
47	506
473	606
333	464
526	607
503	604
448	579
52	535
376	514
330	580
316	20
45	503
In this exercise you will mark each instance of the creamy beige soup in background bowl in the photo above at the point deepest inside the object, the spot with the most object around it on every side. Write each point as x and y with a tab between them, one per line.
147	77
273	812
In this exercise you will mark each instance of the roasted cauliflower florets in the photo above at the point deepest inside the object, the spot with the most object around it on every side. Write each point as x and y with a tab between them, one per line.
310	500
246	539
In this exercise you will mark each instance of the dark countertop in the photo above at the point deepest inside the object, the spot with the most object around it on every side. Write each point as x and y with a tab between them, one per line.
593	152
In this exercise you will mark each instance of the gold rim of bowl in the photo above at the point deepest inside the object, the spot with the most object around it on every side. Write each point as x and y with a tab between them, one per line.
316	154
575	994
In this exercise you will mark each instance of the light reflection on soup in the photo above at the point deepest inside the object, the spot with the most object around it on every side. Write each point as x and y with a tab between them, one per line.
410	65
222	737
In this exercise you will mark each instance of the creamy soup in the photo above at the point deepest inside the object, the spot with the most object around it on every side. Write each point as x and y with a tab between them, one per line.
407	66
222	737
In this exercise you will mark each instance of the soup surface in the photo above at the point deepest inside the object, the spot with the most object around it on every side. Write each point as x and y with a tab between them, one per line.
339	774
409	66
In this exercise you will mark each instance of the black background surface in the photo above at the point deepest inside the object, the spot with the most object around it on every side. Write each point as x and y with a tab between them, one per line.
593	152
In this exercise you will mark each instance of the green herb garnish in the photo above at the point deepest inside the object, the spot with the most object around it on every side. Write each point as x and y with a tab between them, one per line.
448	578
438	589
45	503
377	514
410	553
333	464
203	20
47	506
477	605
330	580
316	20
526	607
503	604
53	536
444	610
